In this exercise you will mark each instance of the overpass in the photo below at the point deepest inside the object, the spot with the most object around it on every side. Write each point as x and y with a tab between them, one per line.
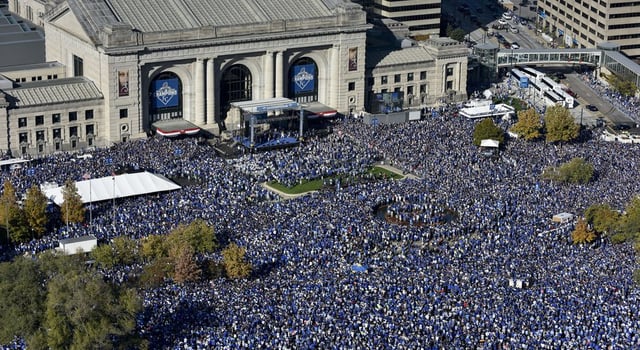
606	56
547	57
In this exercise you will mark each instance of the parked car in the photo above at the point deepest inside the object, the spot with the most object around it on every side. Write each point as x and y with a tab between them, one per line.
506	45
592	108
515	45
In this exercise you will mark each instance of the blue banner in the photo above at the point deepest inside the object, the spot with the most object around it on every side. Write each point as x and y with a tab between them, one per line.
165	93
524	82
303	79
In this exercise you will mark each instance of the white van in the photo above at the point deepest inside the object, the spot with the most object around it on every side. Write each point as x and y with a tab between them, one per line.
507	16
513	29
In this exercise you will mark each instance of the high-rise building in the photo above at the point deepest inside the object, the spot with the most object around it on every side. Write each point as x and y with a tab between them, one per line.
421	16
582	23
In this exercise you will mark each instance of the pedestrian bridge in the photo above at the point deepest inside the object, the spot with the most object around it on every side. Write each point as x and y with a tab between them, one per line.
541	57
602	57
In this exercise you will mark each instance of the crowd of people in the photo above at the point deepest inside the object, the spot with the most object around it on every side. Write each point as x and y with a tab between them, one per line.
435	286
629	105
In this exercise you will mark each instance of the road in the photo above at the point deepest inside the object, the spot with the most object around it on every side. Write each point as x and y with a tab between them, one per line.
587	96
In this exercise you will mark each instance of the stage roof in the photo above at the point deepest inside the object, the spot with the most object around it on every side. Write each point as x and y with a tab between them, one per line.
266	105
118	186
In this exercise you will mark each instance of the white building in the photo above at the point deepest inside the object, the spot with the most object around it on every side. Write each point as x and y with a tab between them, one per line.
84	244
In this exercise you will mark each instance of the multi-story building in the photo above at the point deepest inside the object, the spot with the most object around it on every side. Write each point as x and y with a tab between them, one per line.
582	23
421	16
116	69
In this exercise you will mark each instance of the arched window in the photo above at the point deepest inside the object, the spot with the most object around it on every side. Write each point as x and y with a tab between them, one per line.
236	85
303	81
165	97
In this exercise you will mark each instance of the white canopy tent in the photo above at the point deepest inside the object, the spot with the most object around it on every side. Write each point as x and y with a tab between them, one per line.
118	186
489	143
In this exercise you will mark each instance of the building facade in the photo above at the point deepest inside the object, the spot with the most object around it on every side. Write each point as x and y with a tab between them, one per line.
114	68
421	16
581	23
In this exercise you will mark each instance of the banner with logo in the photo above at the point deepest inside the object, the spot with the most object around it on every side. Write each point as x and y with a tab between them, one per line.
165	93
353	59
123	83
303	79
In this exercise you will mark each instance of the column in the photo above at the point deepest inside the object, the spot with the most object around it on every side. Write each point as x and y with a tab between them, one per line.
334	77
268	75
211	96
279	74
198	117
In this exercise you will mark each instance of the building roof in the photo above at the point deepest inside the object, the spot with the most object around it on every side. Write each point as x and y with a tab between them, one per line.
410	55
87	238
47	92
153	16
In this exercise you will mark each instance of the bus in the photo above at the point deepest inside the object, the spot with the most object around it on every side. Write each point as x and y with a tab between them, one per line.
553	98
535	74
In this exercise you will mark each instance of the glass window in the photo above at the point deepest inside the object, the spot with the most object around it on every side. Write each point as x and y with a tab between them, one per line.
124	113
55	118
73	116
40	135
449	71
397	78
383	79
39	119
78	66
22	122
57	133
423	75
73	131
352	86
88	114
89	130
23	137
409	76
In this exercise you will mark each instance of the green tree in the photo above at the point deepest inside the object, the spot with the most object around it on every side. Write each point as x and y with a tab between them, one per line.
582	234
560	125
630	223
126	250
72	209
84	312
155	272
603	218
235	264
487	129
154	247
529	125
457	34
22	295
35	210
622	85
105	255
186	269
576	171
198	235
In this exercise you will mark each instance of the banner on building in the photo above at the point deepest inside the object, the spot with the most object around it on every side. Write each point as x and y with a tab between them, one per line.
123	83
353	59
165	93
303	79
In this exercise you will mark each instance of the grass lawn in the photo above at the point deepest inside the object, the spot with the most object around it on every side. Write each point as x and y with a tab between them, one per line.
317	184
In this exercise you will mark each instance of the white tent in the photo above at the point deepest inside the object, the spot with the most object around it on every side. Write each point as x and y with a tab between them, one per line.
489	143
118	186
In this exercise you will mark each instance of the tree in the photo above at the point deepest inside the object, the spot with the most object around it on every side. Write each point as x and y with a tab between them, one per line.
602	217
576	171
186	269
126	249
198	235
630	223
529	125
560	125
235	264
155	272
82	311
582	234
154	247
72	209
486	129
35	210
457	34
22	295
624	86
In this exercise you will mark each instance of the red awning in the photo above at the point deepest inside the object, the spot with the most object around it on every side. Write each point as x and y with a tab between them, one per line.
319	110
175	127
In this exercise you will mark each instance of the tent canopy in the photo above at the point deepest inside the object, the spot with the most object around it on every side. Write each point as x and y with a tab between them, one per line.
489	143
118	186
